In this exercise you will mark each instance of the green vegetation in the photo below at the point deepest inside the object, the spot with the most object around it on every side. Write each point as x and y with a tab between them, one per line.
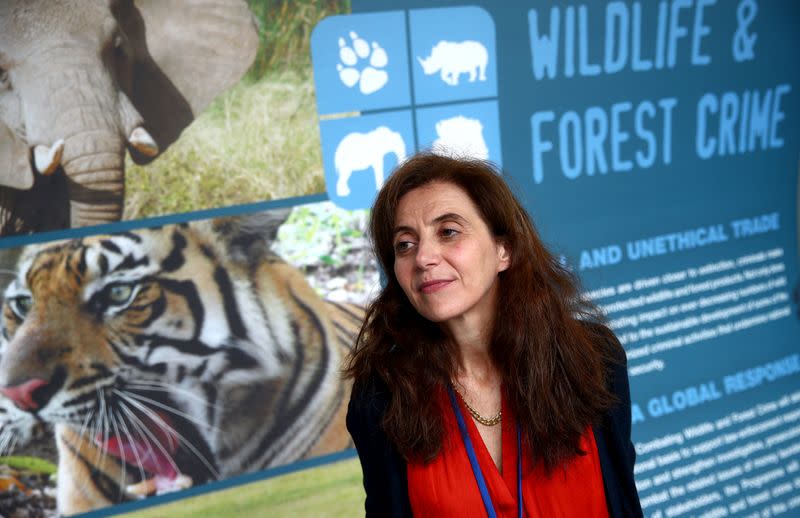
29	464
259	140
330	490
285	32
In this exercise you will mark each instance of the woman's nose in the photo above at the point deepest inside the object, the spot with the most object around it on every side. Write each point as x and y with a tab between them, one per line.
428	253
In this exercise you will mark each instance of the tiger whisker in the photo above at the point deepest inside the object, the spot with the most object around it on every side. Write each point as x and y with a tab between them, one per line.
13	442
102	427
85	423
135	422
123	472
133	447
5	439
159	387
150	413
96	425
175	411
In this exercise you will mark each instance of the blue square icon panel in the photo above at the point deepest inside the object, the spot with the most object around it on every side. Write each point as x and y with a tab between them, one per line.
358	153
464	130
361	62
453	54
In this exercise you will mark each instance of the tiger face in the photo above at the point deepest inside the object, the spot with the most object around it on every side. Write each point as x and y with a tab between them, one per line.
169	357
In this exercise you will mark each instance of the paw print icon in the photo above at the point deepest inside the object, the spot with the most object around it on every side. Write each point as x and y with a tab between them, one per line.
360	62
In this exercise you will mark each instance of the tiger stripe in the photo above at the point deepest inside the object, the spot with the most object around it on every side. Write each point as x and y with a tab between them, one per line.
187	350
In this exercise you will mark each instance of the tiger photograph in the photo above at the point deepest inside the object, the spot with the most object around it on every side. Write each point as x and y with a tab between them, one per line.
165	358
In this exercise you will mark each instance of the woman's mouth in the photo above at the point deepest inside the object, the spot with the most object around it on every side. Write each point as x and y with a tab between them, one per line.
433	286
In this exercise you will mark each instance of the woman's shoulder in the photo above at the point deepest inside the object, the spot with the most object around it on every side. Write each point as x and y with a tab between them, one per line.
602	334
368	400
615	359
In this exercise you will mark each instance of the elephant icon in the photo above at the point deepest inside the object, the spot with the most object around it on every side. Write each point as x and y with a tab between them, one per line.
451	59
359	151
460	137
84	81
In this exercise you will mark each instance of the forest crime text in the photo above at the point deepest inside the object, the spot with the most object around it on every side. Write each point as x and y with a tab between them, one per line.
635	135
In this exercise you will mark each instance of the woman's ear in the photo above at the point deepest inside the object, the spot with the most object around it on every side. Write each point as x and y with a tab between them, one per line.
503	255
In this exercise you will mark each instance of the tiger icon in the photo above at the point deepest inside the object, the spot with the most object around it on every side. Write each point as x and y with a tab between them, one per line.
172	356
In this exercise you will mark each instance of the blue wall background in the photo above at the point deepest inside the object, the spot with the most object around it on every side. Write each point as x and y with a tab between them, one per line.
663	166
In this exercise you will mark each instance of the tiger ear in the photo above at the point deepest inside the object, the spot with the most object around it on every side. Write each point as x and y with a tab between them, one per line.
249	236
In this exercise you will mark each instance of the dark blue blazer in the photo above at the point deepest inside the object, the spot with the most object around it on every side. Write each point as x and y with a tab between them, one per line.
385	470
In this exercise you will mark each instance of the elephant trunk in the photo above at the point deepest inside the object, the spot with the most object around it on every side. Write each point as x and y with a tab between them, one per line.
80	105
93	161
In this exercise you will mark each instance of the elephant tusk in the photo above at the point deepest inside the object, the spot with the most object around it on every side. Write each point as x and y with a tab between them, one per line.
47	159
143	142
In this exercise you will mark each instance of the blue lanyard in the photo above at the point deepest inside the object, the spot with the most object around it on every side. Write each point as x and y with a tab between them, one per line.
473	461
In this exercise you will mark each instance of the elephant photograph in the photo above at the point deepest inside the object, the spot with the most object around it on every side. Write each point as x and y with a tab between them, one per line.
123	109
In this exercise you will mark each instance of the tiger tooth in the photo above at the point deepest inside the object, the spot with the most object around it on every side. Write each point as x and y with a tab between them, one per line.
142	489
159	485
168	485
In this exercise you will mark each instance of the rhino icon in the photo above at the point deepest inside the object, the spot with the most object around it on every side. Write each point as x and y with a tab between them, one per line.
451	59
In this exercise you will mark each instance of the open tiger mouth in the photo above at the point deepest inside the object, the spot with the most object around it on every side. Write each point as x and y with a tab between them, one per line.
153	451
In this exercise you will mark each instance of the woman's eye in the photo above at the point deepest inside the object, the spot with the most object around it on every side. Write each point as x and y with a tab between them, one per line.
402	246
119	293
21	305
449	232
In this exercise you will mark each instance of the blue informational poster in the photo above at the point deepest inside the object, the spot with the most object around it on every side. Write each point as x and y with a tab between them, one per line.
357	59
368	65
656	145
453	60
359	152
471	129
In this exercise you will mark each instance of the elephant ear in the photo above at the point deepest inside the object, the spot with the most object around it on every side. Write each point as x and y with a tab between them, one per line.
185	53
15	164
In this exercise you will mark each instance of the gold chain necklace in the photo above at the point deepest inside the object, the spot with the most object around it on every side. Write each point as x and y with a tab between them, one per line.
485	421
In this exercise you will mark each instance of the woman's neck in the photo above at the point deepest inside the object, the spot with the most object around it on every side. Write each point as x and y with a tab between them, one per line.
471	334
475	364
474	358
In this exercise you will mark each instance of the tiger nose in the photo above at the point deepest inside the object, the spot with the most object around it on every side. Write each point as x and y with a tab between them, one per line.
23	394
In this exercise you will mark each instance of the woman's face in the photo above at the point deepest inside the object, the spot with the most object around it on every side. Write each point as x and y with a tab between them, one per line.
446	259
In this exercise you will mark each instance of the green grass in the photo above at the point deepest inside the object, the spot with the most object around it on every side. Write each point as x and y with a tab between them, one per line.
330	490
259	141
285	32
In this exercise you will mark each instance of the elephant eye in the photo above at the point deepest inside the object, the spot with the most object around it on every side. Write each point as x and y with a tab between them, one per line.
21	305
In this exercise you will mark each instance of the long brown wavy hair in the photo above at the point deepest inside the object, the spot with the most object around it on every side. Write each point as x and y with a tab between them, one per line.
548	341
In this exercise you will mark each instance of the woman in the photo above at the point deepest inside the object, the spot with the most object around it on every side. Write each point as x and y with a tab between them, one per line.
483	382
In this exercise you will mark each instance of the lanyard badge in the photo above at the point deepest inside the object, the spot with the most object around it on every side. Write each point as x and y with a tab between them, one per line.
473	461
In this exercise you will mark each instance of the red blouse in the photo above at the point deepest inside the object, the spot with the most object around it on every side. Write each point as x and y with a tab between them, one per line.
446	486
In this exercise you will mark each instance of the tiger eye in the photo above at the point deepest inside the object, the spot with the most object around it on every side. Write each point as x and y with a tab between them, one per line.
22	305
120	293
